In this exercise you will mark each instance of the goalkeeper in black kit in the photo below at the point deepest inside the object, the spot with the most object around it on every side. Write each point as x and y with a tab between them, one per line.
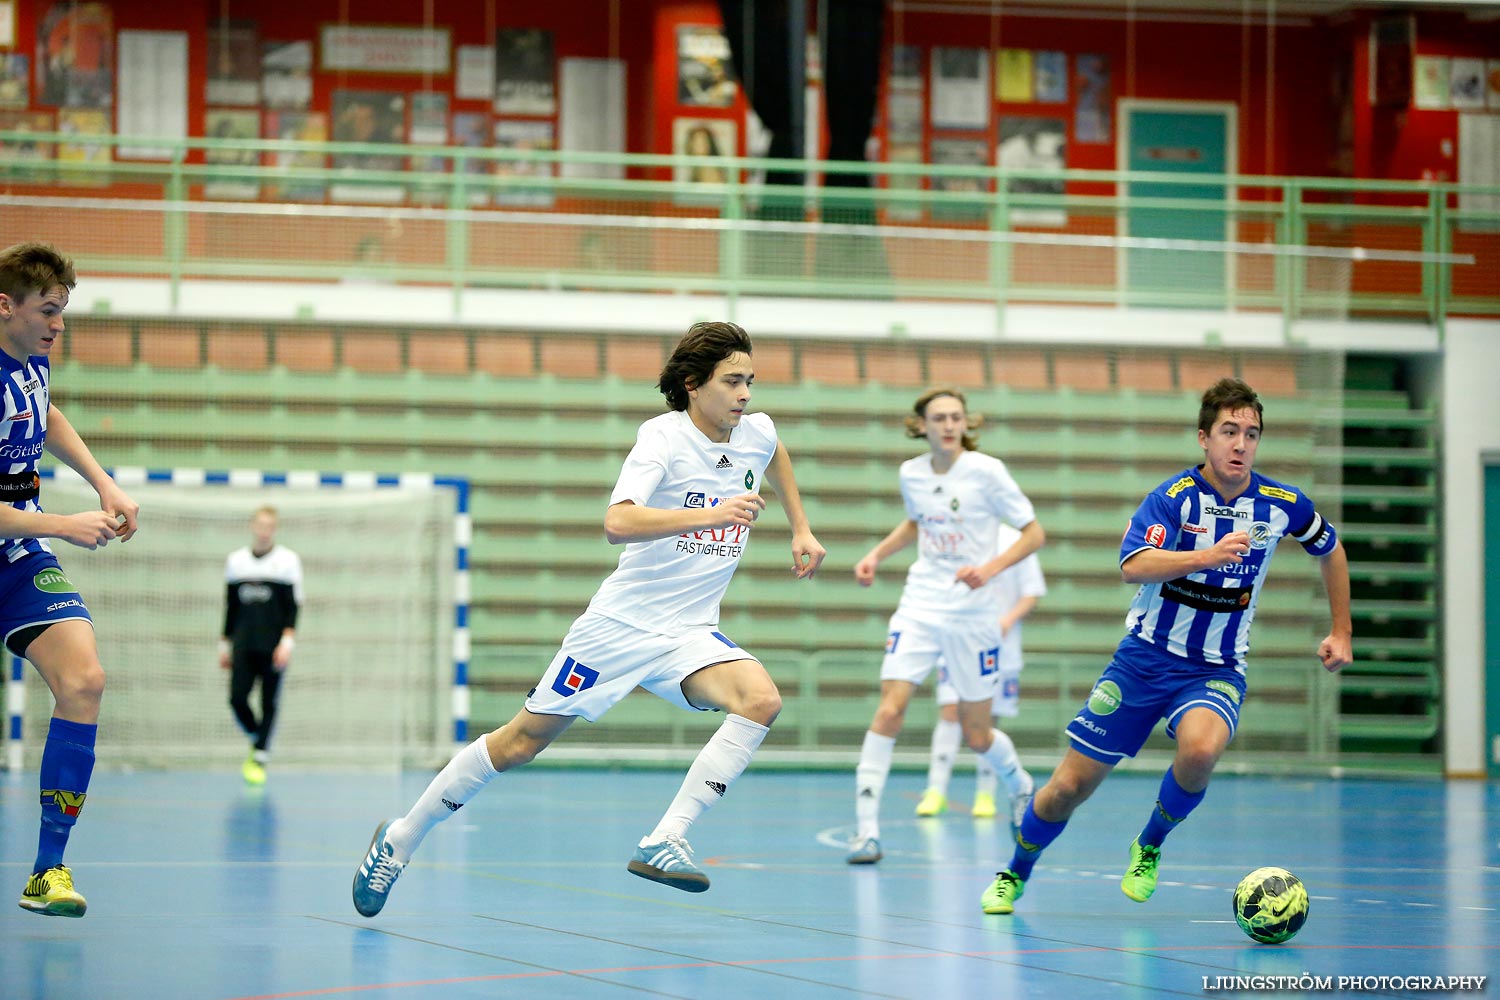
263	592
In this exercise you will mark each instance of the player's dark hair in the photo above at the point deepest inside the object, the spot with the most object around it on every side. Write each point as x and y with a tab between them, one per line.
33	267
918	413
693	361
1231	394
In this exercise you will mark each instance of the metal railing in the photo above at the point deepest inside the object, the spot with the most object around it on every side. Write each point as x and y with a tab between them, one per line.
466	218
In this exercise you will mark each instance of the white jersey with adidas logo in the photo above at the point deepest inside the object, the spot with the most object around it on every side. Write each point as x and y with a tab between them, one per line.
958	516
672	584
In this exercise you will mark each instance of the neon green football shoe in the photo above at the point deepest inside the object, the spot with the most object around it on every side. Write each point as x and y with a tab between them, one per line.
1140	878
1001	897
934	803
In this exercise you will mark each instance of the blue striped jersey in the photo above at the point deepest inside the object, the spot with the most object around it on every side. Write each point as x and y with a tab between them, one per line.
23	429
1206	616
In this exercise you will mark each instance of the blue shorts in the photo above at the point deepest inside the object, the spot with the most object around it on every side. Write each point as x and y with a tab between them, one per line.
35	591
1143	684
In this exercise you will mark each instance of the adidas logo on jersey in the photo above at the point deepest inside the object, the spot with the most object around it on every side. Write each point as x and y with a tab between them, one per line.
453	806
718	786
724	463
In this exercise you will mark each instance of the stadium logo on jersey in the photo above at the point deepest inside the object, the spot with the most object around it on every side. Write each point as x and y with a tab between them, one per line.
1105	698
67	803
31	385
1225	688
989	661
1156	535
724	463
1226	512
891	641
1260	535
1179	486
749	479
574	677
23	415
53	581
694	500
1279	494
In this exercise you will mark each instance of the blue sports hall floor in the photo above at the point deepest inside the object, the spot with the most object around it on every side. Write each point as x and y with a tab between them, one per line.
200	888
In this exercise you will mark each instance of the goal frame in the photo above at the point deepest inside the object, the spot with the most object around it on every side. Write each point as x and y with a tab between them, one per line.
463	532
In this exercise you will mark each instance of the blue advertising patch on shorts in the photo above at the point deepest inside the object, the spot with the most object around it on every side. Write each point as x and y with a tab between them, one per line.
574	677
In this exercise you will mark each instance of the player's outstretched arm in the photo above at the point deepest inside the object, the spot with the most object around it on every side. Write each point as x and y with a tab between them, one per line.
807	553
67	446
1337	649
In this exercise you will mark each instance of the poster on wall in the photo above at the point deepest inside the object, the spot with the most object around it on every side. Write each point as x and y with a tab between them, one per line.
960	88
704	77
21	159
703	137
524	136
231	123
428	127
82	123
903	116
1466	83
1033	143
7	24
1430	77
1015	76
15	80
233	64
906	67
1391	42
960	152
377	116
153	91
525	72
286	74
301	126
75	56
475	79
471	129
1092	111
1051	77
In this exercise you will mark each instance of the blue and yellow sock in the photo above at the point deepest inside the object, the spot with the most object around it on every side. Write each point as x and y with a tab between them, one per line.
1172	807
67	765
1032	838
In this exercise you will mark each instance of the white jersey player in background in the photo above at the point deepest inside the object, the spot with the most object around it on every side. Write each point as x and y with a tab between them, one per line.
684	507
956	499
1021	587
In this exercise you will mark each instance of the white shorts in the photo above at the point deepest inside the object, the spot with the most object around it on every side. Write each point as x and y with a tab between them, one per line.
968	650
1007	702
602	660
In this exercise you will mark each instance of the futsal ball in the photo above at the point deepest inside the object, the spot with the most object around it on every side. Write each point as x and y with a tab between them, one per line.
1270	905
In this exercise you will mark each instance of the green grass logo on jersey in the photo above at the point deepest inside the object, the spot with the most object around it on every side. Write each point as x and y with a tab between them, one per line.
1226	689
749	479
1106	698
53	581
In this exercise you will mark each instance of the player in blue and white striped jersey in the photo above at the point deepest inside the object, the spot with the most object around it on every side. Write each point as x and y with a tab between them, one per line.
42	616
1199	545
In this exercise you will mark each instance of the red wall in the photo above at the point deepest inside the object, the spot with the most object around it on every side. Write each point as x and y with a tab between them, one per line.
1220	59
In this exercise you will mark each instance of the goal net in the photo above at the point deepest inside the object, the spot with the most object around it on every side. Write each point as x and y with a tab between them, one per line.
371	682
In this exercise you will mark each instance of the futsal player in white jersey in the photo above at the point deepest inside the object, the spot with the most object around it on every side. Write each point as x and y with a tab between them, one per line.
1021	587
956	499
1199	545
684	507
42	615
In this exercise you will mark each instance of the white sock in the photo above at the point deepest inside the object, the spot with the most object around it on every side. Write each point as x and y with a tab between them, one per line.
1002	757
984	778
468	772
723	759
945	739
869	782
